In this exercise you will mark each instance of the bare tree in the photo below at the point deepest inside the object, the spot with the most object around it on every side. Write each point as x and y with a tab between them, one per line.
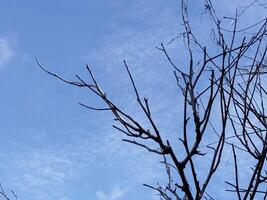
5	196
228	83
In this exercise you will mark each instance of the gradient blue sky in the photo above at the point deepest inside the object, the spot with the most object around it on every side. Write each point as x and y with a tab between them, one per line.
50	147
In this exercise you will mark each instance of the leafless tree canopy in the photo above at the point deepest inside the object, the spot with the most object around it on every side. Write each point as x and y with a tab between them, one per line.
230	83
5	196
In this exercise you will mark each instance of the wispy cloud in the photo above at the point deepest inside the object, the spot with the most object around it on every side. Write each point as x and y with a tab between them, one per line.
6	52
44	168
116	193
38	170
63	198
136	44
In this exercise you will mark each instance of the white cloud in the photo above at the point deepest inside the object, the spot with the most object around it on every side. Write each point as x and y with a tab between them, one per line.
6	51
134	44
63	198
44	168
116	193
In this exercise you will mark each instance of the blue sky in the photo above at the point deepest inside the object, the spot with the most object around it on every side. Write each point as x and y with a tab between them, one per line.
50	147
